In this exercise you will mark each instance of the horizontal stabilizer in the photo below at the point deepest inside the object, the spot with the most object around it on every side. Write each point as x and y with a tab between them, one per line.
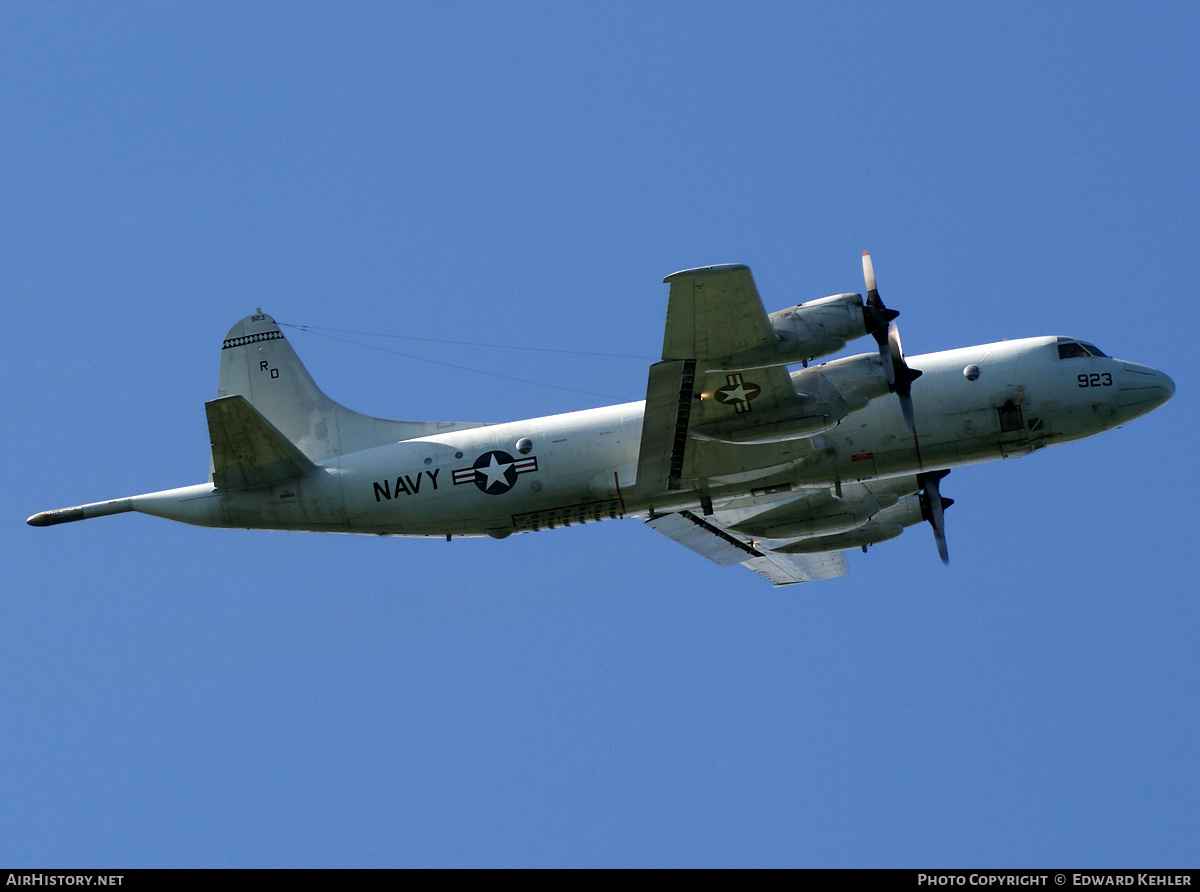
248	451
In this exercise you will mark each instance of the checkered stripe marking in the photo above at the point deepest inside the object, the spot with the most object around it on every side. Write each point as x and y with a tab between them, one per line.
251	339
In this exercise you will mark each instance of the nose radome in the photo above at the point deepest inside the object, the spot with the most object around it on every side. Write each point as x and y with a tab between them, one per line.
1167	385
1162	389
1142	389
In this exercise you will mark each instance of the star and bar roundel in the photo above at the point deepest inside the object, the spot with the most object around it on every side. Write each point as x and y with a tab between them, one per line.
495	472
738	393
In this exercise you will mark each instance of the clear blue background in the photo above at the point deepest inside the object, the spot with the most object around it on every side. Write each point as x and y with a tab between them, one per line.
526	174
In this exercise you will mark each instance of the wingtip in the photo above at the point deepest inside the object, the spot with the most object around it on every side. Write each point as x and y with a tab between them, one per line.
712	269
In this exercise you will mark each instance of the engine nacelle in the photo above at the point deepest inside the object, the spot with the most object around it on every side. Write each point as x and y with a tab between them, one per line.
853	381
827	394
819	513
821	327
804	332
887	524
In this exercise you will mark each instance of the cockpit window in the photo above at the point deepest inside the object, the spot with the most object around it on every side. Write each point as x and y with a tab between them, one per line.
1069	349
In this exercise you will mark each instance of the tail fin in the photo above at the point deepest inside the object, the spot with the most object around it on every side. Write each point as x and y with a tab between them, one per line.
259	364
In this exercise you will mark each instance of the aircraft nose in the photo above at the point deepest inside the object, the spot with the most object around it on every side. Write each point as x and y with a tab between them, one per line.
1142	389
1167	385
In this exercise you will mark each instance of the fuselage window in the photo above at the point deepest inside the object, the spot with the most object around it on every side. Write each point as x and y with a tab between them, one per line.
1093	349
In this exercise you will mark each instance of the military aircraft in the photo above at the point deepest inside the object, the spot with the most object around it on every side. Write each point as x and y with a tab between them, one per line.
731	454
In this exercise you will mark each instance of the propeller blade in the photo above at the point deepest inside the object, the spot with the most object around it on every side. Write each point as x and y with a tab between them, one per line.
933	509
904	394
939	535
895	356
889	366
902	375
879	321
869	276
894	345
875	315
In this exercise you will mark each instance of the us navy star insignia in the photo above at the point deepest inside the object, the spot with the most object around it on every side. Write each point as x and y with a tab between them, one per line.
495	472
738	393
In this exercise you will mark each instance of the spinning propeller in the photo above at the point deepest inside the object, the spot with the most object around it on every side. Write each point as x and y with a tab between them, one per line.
881	325
933	509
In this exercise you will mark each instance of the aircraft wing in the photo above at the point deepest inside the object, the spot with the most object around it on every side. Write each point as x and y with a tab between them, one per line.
714	312
802	537
700	417
710	539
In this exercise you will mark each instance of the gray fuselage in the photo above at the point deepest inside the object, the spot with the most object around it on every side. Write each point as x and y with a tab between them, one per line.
581	466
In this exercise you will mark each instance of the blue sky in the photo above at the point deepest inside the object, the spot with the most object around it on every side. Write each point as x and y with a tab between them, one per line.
526	174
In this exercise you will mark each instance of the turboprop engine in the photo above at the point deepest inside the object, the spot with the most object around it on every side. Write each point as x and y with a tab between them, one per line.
844	385
826	394
904	509
820	327
806	331
887	524
825	512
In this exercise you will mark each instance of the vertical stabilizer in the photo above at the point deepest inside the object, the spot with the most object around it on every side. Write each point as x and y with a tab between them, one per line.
258	363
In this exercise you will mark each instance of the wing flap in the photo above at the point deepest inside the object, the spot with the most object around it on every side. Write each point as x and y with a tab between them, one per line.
248	451
669	394
706	539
